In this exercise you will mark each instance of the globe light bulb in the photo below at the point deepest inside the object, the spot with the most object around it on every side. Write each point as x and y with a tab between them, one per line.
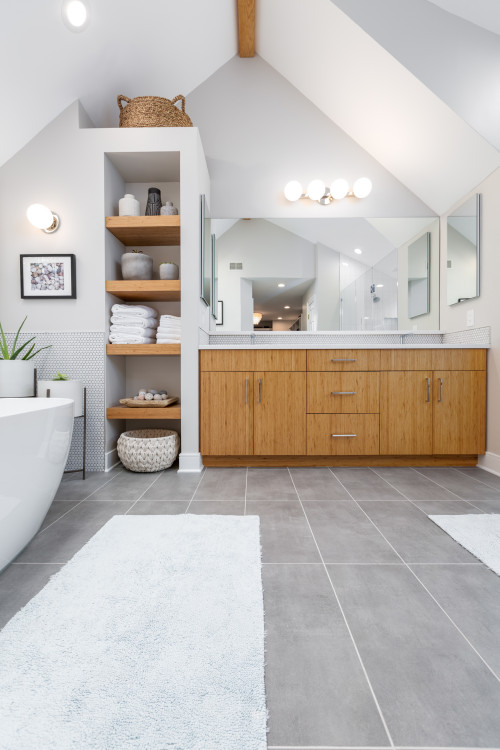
316	190
293	190
75	14
339	189
257	317
362	187
40	216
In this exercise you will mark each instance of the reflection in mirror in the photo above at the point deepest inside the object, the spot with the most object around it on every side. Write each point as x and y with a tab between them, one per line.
214	279
462	251
322	274
418	276
206	252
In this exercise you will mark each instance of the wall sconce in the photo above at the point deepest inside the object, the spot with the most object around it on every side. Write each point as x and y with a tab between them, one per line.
42	218
318	191
257	317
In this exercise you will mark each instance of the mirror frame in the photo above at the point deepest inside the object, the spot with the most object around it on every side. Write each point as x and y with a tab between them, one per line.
478	251
213	290
205	257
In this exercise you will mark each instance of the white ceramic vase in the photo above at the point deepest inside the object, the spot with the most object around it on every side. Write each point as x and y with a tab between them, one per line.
128	206
169	209
72	389
169	271
17	378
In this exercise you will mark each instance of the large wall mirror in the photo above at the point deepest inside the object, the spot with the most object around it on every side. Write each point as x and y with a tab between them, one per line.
328	274
462	251
205	252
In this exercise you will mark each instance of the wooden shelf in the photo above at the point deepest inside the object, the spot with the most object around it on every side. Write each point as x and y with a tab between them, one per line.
126	412
144	291
144	350
145	230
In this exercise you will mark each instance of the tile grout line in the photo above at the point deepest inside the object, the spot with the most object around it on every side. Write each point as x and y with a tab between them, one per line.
422	584
371	565
79	503
372	691
446	488
196	490
142	495
490	486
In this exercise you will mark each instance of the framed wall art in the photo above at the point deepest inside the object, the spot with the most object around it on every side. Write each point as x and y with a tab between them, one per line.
48	277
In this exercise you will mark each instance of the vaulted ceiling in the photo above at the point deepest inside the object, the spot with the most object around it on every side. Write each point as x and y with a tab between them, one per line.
415	85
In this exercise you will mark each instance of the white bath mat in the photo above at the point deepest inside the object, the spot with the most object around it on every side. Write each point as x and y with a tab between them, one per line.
479	533
150	638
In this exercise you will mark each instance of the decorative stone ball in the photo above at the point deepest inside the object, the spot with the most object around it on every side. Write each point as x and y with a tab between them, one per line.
163	392
142	391
157	397
141	396
148	396
153	391
163	396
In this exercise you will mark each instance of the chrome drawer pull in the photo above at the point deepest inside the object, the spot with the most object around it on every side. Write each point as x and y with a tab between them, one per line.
440	389
247	390
354	435
343	393
260	383
342	360
428	390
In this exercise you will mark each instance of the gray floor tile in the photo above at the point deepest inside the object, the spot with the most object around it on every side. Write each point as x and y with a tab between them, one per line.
316	691
19	584
470	594
345	535
58	509
284	532
158	508
73	488
317	484
218	508
432	688
446	507
173	486
487	505
58	543
414	486
128	486
222	484
364	484
461	484
413	535
480	475
270	484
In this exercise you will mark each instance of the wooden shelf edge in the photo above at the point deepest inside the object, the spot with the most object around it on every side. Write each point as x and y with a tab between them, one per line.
143	349
126	412
156	289
145	230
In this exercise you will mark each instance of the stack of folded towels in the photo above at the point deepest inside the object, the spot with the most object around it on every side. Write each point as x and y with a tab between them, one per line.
133	324
169	330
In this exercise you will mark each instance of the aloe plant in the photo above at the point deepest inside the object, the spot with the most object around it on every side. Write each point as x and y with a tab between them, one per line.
21	350
60	376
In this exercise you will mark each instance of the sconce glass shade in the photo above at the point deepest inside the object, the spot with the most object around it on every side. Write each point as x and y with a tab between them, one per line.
42	217
257	317
316	190
339	189
362	187
293	190
75	14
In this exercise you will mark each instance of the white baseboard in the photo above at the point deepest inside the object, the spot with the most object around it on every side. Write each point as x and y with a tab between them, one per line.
111	460
490	462
190	462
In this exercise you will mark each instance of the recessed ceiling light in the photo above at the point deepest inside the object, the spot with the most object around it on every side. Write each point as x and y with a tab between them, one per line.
287	307
75	14
358	251
280	318
281	284
379	286
344	263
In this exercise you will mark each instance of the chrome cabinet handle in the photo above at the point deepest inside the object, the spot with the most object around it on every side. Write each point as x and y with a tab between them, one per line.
259	388
343	393
342	360
247	390
353	435
440	389
428	390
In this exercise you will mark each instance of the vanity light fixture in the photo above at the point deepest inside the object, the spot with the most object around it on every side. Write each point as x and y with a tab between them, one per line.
257	317
318	191
42	218
76	14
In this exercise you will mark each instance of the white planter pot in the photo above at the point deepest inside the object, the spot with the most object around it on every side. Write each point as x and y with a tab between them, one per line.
169	271
17	378
63	389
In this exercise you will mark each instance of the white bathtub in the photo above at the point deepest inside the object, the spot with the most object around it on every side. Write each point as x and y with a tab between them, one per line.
35	436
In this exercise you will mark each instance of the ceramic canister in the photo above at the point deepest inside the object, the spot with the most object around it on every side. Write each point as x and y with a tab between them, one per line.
128	206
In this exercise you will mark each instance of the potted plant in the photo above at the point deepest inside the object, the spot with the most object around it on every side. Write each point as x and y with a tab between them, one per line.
62	387
17	372
169	270
137	265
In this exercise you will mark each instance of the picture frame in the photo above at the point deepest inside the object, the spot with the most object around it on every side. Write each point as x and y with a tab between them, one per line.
219	321
48	276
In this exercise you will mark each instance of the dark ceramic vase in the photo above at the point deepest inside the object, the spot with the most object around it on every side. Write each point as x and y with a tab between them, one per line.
153	206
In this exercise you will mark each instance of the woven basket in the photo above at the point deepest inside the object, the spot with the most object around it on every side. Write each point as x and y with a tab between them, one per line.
153	112
148	450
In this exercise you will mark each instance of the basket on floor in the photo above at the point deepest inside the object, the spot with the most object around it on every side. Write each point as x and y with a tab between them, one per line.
153	112
148	450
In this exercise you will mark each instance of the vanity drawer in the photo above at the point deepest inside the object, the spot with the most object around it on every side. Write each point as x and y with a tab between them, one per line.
342	434
343	360
343	392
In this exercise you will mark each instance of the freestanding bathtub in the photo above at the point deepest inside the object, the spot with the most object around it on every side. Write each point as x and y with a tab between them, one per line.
35	436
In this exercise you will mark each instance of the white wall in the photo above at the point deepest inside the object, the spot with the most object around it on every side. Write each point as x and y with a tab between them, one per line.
327	288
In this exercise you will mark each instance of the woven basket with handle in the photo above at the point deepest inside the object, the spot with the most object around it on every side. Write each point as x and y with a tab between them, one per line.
153	112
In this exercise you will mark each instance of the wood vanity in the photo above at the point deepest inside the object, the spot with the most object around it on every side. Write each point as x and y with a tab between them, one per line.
342	407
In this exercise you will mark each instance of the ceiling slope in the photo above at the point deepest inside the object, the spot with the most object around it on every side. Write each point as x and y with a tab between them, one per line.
132	48
461	62
485	13
375	99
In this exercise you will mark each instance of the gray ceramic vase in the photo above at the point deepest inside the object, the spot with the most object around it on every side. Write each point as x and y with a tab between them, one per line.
137	266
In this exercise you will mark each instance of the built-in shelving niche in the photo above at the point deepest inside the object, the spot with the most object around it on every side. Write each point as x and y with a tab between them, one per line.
128	369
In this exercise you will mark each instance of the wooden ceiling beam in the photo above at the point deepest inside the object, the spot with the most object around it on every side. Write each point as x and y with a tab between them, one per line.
246	27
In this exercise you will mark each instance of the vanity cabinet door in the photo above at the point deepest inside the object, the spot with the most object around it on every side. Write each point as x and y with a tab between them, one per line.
459	412
226	411
406	413
279	413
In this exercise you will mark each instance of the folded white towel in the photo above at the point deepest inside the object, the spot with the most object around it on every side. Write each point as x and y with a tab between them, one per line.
123	338
176	329
132	330
134	320
170	318
166	340
142	311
